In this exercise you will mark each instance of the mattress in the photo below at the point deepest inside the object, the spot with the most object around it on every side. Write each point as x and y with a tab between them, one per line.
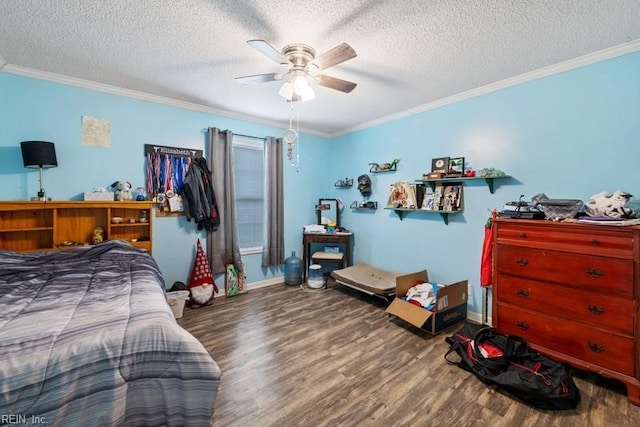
87	338
367	278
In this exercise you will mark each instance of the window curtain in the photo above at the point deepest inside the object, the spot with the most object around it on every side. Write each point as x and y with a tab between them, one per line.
273	250
222	244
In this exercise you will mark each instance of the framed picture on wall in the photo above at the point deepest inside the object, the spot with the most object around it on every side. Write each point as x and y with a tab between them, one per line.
456	166
451	197
440	164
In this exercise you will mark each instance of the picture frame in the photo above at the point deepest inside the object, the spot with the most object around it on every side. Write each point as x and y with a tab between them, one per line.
451	197
440	164
428	202
455	166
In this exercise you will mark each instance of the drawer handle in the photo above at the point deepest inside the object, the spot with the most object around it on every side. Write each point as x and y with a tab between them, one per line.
594	309
595	347
594	241
522	293
522	262
593	272
522	325
523	235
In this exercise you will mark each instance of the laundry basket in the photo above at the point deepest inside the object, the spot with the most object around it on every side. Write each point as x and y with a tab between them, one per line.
176	301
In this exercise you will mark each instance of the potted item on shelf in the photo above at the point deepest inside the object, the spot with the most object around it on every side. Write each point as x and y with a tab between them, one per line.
384	167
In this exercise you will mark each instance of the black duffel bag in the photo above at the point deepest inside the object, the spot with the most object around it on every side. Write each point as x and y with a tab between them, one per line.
509	364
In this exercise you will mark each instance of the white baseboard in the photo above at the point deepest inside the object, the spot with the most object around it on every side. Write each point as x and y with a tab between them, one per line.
477	317
257	285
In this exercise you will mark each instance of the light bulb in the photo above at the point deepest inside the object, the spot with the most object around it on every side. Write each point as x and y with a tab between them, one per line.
302	88
286	91
300	84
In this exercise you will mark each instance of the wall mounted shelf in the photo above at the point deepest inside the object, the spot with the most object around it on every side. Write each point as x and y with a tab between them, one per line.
489	180
344	183
370	206
444	214
384	167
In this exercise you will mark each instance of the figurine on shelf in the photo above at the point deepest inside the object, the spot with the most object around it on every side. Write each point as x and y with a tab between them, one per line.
491	173
385	167
98	235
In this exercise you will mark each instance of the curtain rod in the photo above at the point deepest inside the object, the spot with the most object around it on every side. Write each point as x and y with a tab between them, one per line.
240	134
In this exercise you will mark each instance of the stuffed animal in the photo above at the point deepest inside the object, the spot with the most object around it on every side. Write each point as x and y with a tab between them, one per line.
611	205
123	190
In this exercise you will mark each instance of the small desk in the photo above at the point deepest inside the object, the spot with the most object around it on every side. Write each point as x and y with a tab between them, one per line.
336	238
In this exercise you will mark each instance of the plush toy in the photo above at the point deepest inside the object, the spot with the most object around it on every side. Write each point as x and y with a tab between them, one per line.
611	205
123	190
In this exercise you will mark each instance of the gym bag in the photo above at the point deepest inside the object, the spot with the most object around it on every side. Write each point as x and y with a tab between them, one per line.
509	364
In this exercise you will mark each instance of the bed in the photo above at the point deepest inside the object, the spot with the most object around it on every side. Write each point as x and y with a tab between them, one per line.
87	338
368	279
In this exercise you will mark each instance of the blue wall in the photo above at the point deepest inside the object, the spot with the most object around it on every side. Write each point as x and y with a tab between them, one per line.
570	135
32	109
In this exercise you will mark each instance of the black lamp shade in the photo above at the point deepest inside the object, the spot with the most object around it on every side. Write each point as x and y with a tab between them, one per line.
38	154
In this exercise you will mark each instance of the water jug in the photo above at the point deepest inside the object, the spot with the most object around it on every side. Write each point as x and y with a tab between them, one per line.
293	270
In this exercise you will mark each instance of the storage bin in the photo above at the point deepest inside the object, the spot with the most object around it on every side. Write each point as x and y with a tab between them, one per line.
176	301
315	280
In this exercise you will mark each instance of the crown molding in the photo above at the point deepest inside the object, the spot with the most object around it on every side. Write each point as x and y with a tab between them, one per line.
581	61
115	90
571	64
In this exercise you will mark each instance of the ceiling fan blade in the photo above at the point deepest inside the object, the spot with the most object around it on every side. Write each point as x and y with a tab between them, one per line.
258	78
334	83
342	52
268	50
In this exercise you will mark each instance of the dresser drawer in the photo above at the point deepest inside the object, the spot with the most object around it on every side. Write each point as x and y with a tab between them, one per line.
574	238
573	339
591	273
590	308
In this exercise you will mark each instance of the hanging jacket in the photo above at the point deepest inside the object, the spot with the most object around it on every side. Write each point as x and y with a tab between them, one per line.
198	197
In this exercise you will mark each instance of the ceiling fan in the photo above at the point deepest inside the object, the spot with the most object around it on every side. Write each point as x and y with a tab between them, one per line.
302	66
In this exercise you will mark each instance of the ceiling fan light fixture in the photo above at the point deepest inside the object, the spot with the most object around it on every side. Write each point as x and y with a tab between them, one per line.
302	88
297	89
286	91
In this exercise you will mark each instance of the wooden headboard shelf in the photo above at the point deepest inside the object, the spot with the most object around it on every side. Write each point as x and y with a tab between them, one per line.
40	226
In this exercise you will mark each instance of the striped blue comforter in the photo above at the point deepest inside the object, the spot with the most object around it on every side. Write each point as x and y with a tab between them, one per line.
87	338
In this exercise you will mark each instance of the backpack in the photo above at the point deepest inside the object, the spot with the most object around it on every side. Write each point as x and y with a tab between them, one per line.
509	364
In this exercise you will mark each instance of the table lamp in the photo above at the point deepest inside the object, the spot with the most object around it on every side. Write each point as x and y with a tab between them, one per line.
40	155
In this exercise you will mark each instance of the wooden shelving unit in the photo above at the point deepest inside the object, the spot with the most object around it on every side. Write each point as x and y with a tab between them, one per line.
39	226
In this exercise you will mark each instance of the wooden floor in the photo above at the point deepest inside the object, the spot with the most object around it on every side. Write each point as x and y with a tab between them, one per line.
295	357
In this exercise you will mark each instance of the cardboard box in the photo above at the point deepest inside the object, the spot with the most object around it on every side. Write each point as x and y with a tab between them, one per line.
450	309
102	196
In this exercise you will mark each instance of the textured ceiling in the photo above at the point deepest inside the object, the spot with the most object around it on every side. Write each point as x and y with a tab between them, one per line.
410	52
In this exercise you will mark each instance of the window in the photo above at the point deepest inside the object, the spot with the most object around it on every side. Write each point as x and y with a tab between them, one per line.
249	179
